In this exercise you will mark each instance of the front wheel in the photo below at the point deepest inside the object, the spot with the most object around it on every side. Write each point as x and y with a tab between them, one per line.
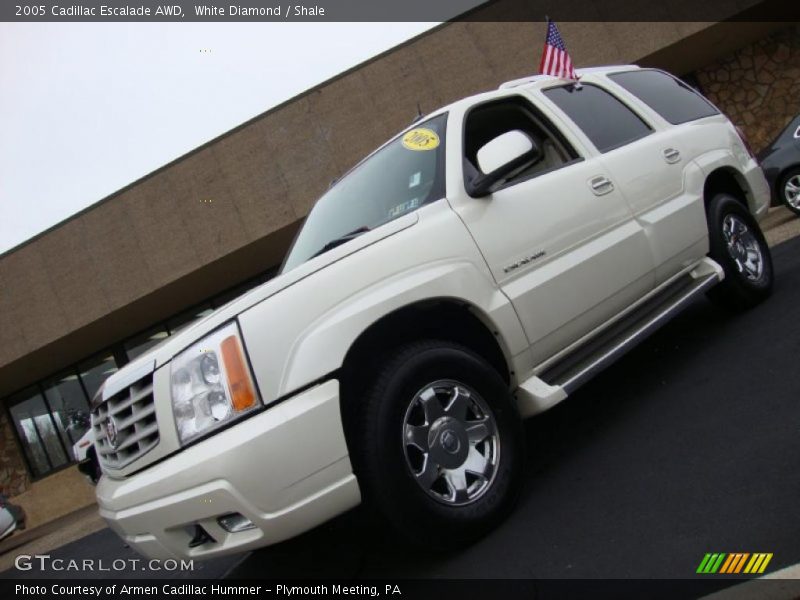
790	190
440	446
737	244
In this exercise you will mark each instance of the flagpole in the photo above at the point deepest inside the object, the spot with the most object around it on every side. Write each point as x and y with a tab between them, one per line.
555	58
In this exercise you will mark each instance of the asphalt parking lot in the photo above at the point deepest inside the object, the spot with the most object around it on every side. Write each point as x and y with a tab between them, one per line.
689	445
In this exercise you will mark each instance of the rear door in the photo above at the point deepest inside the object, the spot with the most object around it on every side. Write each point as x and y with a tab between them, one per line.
558	236
665	187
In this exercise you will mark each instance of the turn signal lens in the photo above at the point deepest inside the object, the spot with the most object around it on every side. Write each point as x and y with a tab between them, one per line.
243	396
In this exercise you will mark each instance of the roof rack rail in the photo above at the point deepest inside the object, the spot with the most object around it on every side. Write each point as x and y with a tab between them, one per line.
584	71
524	81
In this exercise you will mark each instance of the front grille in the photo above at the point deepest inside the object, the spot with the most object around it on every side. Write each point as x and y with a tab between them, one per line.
129	417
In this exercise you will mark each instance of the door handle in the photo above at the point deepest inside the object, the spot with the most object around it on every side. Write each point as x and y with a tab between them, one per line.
601	185
671	155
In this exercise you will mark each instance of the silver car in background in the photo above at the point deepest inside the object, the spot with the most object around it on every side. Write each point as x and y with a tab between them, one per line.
12	517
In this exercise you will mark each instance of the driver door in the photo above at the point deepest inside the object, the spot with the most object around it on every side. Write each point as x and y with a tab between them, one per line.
557	235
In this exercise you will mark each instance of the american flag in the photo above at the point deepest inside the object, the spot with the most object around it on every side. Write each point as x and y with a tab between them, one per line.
555	58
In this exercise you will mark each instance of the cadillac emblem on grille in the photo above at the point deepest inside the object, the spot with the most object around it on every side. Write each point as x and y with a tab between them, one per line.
112	433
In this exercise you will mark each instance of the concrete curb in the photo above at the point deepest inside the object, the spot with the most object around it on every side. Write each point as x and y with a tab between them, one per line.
780	225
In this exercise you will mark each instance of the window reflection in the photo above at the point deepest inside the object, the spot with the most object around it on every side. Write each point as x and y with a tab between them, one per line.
226	297
94	372
142	343
51	417
183	320
70	408
36	430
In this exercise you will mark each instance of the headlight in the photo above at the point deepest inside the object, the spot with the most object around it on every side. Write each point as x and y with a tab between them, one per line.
211	384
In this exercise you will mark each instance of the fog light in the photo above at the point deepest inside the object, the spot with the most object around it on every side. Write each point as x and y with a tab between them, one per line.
200	537
235	522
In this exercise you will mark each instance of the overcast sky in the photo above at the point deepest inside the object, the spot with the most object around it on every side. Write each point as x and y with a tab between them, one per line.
86	108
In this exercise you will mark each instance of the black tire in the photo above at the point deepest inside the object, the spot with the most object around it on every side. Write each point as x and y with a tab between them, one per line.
385	461
782	194
744	285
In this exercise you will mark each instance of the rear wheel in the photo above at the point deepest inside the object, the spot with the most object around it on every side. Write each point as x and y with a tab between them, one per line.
790	190
440	446
737	244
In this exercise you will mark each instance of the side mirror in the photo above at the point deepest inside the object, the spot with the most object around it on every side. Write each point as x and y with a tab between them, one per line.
500	157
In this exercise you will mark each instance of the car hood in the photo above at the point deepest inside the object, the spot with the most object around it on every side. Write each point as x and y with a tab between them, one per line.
163	352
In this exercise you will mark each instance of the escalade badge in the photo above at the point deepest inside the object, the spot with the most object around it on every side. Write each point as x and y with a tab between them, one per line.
112	433
524	261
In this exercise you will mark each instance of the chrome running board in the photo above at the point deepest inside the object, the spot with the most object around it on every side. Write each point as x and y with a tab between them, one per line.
538	393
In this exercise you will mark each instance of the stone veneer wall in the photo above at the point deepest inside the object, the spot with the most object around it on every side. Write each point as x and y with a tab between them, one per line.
14	478
758	86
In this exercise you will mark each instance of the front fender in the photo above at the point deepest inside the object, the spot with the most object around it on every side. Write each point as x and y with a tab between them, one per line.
303	333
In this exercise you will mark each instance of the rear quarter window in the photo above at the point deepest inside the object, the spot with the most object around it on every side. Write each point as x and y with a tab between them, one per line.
671	98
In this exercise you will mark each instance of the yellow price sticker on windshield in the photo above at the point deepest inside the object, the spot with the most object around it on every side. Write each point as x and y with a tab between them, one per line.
421	139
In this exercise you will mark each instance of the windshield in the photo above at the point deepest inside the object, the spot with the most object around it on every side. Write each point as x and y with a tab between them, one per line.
397	179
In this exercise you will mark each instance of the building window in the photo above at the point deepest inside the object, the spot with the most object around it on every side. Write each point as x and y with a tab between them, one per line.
142	343
41	443
95	371
183	320
69	408
54	414
225	297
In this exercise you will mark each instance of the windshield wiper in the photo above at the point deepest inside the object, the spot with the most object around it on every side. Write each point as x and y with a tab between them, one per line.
341	240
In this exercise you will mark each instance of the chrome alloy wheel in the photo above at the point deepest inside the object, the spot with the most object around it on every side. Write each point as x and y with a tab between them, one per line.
791	191
743	247
451	442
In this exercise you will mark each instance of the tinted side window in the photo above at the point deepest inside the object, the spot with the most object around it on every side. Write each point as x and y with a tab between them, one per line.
488	121
669	97
606	121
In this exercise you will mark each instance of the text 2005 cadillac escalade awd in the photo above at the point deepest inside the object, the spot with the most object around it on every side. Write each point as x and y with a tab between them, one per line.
473	271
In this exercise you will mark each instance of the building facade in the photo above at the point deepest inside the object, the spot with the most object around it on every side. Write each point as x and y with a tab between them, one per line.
93	292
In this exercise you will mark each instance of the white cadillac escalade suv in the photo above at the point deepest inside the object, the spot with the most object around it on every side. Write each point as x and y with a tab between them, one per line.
473	271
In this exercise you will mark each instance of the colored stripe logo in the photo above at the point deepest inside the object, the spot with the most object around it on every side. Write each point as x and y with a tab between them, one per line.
734	563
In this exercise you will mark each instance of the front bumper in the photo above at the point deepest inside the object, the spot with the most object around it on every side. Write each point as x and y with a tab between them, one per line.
286	469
